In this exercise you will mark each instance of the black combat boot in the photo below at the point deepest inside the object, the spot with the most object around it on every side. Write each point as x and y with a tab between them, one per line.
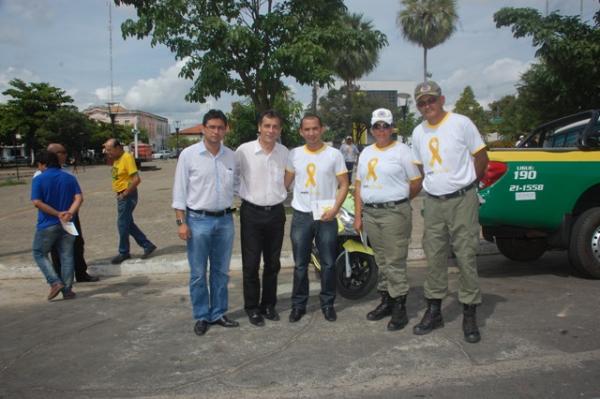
470	329
383	309
432	318
399	319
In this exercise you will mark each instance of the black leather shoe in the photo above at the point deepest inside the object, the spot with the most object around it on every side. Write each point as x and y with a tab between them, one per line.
148	251
255	318
87	279
270	313
201	327
329	313
119	259
296	314
225	321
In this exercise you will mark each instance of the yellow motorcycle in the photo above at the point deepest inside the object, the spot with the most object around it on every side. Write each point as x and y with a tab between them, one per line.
355	267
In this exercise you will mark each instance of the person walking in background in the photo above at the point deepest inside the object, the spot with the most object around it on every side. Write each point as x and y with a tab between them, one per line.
262	165
205	181
57	196
386	180
125	180
318	171
81	274
350	153
451	154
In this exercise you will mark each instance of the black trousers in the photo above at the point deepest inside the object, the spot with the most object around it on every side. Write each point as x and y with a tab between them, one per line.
78	259
261	235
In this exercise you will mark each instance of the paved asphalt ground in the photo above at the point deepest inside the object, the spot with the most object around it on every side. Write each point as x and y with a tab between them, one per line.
130	335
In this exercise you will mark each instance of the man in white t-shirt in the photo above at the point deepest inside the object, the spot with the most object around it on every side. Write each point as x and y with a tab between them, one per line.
452	157
320	187
350	153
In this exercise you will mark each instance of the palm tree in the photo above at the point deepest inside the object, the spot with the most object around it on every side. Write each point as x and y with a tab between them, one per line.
359	58
427	23
362	56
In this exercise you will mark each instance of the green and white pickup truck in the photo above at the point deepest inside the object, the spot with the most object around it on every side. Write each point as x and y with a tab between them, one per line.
546	193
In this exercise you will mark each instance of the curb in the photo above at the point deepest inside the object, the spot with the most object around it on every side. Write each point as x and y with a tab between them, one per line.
167	264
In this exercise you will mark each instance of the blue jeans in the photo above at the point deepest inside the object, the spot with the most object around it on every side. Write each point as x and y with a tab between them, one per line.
127	226
211	240
43	242
304	231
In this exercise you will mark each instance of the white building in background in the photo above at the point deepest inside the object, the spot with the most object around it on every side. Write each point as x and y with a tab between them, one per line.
156	126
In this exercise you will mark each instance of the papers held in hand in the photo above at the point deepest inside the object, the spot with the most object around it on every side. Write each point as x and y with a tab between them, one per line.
319	207
70	228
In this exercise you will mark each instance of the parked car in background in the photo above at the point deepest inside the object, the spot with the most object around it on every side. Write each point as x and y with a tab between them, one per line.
163	154
545	194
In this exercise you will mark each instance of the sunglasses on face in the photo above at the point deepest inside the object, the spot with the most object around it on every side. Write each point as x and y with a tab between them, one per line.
379	126
429	101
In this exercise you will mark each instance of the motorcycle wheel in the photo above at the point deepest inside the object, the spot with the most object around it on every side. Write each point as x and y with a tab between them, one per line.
362	279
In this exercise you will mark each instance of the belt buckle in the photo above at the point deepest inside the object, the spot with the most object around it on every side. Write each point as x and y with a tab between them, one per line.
268	208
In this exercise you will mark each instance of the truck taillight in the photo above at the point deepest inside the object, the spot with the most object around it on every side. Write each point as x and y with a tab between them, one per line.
494	171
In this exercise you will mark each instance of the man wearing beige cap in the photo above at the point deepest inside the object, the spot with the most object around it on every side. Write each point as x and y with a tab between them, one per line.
451	155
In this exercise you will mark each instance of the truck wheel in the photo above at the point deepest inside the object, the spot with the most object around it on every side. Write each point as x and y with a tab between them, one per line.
521	249
584	249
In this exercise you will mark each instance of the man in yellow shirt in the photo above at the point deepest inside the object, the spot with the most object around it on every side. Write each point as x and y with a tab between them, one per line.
125	179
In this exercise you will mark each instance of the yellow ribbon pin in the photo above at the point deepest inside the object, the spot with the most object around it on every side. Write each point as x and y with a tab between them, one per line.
434	147
371	169
311	169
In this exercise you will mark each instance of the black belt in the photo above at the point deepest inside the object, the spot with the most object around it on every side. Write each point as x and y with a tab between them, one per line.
262	208
212	213
389	204
455	194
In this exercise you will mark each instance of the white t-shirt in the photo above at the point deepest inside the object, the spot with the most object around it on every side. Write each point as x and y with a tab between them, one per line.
315	175
385	173
349	151
446	152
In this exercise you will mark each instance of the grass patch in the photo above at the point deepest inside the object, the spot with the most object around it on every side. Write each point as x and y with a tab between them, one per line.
10	182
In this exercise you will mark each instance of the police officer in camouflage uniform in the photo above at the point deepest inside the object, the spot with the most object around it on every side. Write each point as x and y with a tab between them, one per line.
451	154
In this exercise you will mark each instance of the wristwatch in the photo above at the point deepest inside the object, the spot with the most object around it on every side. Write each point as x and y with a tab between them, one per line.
179	222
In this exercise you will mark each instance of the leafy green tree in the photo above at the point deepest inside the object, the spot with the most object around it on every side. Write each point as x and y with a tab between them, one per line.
467	105
566	77
28	109
243	122
427	23
246	47
183	142
510	118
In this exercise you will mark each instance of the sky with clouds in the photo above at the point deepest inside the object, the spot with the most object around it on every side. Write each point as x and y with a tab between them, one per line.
66	43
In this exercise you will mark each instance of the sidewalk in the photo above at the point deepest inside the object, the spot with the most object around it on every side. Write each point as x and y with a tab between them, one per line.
153	214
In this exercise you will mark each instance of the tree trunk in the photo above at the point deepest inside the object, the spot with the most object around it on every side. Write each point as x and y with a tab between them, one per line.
315	99
424	64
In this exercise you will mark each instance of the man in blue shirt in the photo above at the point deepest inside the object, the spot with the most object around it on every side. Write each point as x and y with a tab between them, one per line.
58	197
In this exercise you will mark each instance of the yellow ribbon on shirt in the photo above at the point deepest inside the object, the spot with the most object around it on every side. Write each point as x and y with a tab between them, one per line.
434	147
371	169
311	169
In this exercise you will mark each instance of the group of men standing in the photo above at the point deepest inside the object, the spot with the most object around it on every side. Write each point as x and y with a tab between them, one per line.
447	159
58	197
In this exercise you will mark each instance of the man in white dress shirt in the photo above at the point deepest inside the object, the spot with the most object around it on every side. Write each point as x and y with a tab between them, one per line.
202	199
262	165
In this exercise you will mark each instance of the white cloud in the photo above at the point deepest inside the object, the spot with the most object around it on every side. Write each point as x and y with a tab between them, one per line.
165	92
489	82
103	93
32	10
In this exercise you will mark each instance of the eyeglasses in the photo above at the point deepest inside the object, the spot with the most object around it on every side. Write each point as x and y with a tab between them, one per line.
429	101
380	126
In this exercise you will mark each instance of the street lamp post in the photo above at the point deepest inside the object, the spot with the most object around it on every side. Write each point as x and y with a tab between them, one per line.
177	138
112	114
17	138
